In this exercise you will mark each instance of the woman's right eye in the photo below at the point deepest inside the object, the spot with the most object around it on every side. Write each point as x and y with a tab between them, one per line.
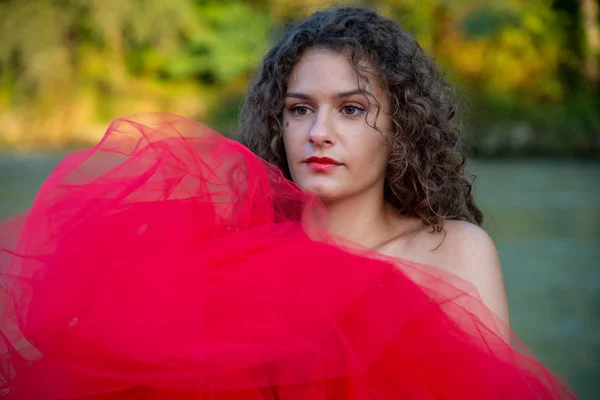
299	111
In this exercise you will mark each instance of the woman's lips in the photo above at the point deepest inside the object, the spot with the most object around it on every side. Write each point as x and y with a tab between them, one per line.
320	167
322	164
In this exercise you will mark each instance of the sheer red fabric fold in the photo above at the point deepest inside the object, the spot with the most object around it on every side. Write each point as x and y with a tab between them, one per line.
170	262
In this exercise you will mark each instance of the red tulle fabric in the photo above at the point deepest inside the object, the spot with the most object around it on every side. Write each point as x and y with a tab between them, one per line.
169	262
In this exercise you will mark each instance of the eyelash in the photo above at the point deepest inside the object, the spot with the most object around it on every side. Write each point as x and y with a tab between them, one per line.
292	110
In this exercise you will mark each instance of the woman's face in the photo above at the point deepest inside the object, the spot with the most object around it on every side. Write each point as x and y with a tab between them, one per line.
331	145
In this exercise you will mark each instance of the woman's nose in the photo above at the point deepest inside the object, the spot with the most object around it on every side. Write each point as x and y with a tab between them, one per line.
322	132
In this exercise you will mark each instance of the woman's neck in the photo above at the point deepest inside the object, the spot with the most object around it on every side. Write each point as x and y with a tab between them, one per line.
363	219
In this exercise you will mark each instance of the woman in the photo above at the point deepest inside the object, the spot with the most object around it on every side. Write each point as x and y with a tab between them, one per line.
353	86
169	262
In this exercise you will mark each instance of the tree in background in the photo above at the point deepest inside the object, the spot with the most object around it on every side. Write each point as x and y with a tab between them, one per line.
591	26
67	67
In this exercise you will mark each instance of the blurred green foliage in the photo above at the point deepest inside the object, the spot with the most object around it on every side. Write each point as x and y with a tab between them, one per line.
67	67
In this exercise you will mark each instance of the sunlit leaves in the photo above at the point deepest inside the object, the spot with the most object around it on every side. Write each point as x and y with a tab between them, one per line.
92	60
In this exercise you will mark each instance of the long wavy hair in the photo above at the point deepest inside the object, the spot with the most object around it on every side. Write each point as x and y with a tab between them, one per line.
425	176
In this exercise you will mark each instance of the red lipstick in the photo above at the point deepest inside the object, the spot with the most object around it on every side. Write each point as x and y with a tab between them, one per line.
322	164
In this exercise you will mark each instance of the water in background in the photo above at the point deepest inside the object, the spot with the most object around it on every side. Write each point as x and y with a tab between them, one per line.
545	219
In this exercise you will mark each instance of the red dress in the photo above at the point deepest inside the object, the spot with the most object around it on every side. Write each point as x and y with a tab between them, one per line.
169	262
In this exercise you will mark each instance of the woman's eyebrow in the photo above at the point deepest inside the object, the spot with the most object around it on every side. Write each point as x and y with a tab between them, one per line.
350	93
297	95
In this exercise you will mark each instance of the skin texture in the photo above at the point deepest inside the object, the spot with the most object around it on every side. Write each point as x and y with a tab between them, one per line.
327	115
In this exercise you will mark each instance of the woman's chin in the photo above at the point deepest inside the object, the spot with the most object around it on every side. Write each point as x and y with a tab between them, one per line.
325	194
327	188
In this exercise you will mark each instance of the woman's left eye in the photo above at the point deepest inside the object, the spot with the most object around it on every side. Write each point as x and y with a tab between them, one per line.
352	111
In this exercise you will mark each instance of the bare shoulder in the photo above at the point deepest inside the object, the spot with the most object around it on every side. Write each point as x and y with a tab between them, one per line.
463	249
467	251
464	245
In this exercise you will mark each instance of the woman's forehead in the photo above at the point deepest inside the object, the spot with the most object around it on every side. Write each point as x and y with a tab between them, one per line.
333	73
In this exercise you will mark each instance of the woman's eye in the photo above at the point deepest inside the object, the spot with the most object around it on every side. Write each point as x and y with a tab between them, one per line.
299	111
352	111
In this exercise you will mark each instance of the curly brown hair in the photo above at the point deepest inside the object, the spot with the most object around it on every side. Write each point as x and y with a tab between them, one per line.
425	176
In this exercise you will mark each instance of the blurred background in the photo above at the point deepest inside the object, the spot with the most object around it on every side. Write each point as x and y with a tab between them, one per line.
528	72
